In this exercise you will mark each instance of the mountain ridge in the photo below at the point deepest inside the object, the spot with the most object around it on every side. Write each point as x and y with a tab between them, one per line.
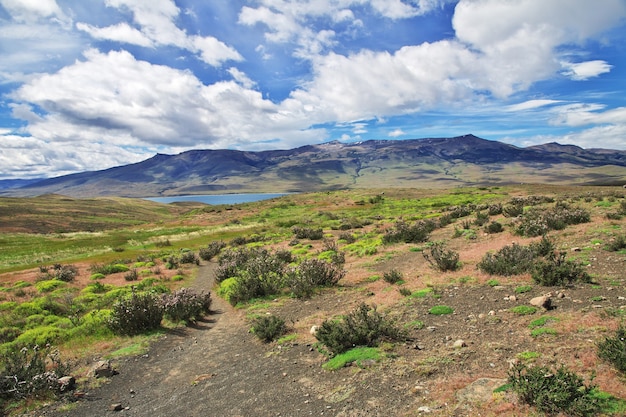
429	162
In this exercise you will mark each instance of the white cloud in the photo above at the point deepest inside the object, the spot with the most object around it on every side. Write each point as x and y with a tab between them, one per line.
33	10
530	105
114	99
584	114
584	70
396	133
603	137
157	27
122	32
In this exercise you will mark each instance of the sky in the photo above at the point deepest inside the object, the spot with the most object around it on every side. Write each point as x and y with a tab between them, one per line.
91	84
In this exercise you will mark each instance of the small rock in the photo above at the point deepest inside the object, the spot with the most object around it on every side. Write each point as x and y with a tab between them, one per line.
102	369
67	383
576	249
560	294
492	313
424	409
313	330
116	407
541	301
458	344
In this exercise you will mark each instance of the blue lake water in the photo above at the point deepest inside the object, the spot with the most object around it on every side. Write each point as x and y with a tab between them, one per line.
217	199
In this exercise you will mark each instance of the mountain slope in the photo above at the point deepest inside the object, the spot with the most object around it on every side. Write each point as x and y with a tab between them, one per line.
434	162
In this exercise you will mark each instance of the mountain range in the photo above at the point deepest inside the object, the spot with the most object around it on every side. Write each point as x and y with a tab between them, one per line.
426	163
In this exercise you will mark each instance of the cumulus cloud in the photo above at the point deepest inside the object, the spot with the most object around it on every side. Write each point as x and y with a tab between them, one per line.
115	99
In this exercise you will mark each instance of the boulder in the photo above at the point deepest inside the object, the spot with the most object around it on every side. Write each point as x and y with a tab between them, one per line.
542	301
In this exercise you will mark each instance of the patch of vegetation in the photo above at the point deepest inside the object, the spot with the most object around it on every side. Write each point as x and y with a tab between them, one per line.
186	305
415	233
538	222
523	310
393	276
528	356
540	331
364	326
554	391
135	314
268	328
556	270
515	259
307	233
442	258
356	355
613	349
617	244
440	310
30	371
523	289
212	250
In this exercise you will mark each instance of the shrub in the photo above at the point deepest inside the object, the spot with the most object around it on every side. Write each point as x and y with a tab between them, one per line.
404	291
441	258
108	269
189	258
131	275
617	244
494	209
185	305
613	349
136	314
481	218
65	273
513	210
494	227
364	326
392	276
537	222
212	250
307	233
509	260
403	232
556	270
312	273
28	371
553	392
268	328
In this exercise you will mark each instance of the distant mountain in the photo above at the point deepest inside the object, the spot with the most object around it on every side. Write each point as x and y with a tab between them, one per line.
427	163
6	184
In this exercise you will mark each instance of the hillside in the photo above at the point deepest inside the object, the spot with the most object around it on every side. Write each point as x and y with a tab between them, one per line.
430	163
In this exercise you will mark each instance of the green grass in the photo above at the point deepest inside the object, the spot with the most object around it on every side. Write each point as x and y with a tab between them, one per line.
542	321
440	310
540	331
523	289
523	310
528	356
356	355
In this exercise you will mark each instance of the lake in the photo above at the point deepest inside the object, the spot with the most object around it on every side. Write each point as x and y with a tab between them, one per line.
217	199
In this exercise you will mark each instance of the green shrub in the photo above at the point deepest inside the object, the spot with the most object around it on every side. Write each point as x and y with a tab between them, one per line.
481	218
185	305
136	314
617	244
65	273
313	273
268	328
49	285
403	232
509	260
31	370
307	233
440	310
392	276
555	270
212	250
97	276
441	258
131	275
513	210
537	222
189	258
613	349
364	326
553	392
494	227
405	291
108	269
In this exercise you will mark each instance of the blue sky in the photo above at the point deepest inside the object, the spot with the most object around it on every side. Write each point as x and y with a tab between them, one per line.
91	84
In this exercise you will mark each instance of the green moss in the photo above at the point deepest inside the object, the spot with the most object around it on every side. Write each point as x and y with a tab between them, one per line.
440	310
523	310
49	285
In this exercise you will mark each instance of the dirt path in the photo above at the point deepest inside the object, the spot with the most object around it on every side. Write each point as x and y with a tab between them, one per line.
214	369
